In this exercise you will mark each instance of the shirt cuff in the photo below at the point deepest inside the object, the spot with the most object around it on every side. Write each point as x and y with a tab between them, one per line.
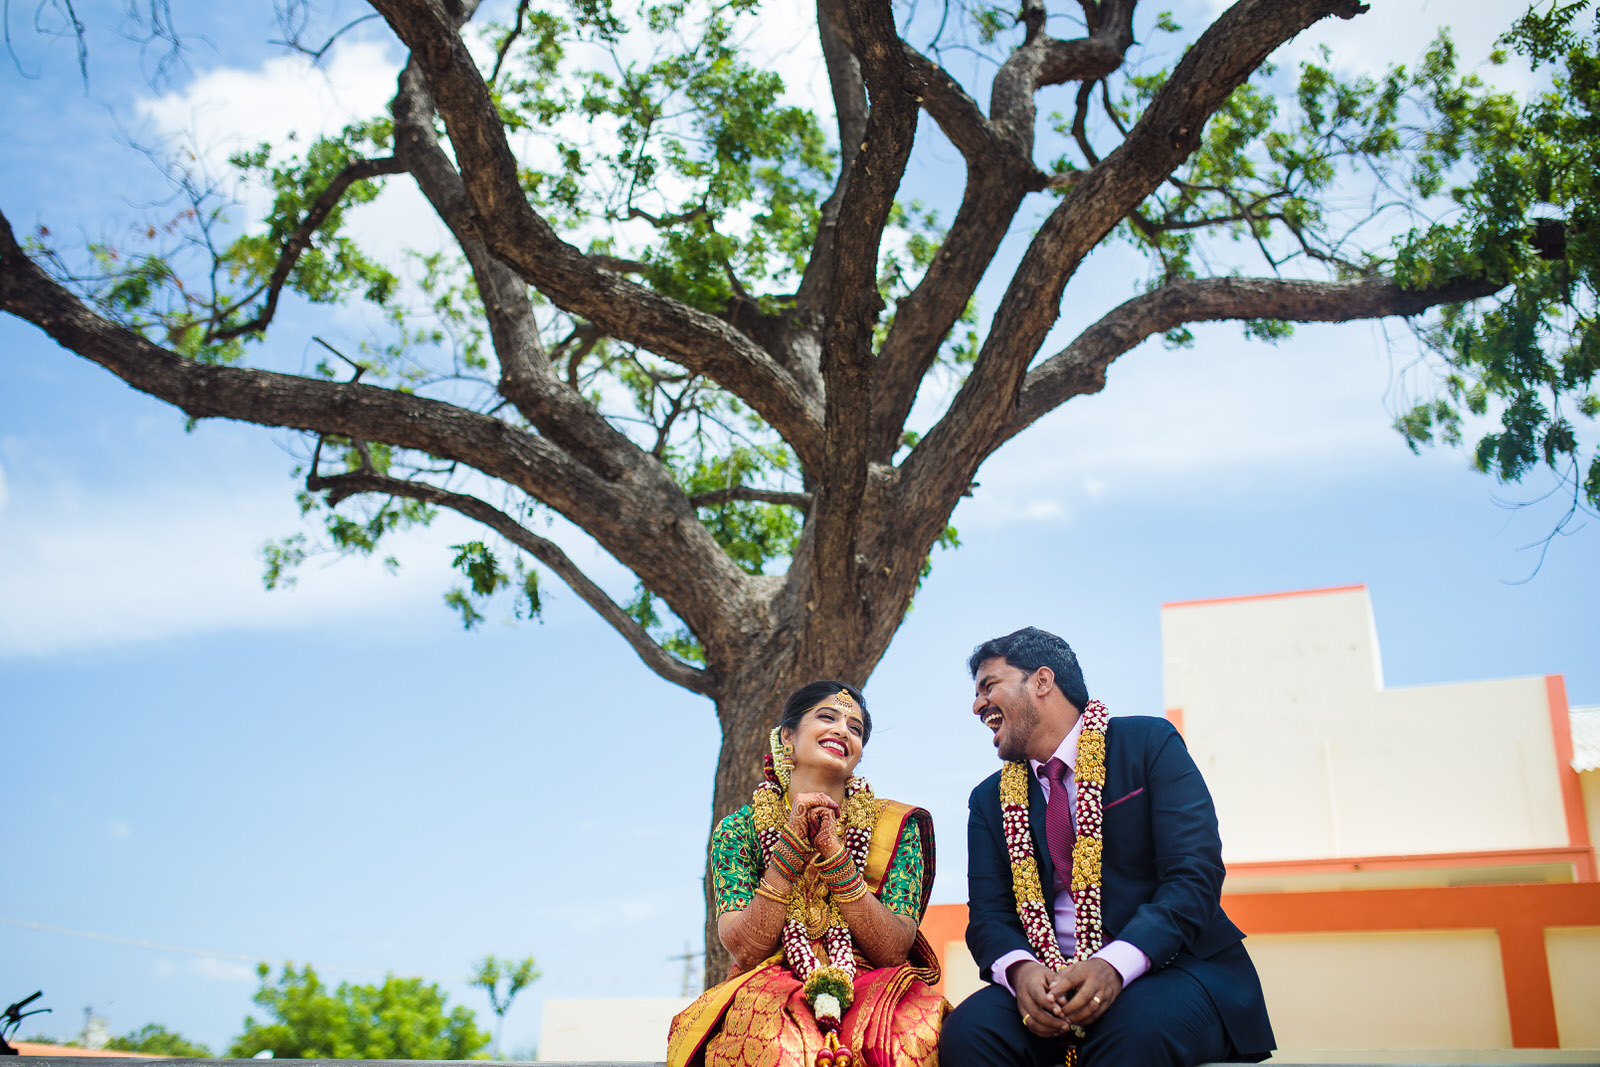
1126	958
1003	964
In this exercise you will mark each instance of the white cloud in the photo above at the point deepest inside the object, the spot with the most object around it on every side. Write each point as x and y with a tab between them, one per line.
1398	34
289	102
110	567
1228	416
228	109
3	495
119	828
222	970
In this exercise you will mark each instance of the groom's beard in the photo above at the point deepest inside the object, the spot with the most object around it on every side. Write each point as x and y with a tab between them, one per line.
1015	732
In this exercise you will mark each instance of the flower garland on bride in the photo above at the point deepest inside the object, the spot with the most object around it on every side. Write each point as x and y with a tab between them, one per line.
829	988
1090	773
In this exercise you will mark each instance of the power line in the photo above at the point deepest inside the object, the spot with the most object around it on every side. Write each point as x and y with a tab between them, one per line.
204	953
688	959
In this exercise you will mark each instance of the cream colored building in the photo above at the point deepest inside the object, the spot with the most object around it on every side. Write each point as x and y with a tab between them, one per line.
609	1029
1465	801
1311	758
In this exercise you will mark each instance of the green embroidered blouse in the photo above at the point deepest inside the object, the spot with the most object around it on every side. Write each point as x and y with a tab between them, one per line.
736	867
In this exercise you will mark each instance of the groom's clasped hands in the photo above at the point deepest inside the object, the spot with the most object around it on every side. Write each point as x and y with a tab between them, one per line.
1051	1001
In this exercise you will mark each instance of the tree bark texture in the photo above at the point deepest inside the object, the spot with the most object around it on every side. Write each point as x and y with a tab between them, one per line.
815	373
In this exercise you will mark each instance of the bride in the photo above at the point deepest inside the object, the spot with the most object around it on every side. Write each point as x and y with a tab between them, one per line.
819	889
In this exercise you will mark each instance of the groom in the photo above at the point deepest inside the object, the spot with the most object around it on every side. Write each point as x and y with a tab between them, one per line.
1172	983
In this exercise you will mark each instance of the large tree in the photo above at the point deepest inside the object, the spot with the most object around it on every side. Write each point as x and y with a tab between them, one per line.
697	322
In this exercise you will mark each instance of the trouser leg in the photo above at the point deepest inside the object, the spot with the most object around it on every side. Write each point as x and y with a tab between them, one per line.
1164	1019
986	1030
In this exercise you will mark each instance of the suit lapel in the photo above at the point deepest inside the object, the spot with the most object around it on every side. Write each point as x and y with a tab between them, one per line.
1041	849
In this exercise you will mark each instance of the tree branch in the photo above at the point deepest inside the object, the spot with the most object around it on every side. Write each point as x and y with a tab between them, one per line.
526	377
1093	57
521	238
744	492
658	659
1043	60
850	106
504	48
1000	172
653	532
300	240
958	115
854	303
1081	366
1169	130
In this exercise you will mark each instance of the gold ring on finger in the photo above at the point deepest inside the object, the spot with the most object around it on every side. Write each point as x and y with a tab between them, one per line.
1095	999
1026	1019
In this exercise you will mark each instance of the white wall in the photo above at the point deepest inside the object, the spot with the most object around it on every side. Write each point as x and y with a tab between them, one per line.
626	1030
1309	757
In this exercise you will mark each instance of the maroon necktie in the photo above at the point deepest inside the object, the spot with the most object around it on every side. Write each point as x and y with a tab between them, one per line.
1058	832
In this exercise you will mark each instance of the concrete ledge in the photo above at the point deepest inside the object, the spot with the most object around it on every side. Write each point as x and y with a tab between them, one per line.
146	1061
1288	1058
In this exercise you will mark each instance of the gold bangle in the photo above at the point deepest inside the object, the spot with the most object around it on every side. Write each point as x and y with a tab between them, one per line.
852	893
765	890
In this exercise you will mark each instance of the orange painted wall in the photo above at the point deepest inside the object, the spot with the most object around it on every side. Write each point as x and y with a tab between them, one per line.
1518	913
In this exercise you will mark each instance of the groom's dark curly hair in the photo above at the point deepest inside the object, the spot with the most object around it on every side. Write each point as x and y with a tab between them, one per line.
1030	648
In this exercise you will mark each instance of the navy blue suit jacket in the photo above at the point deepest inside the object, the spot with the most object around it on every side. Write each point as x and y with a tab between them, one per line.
1161	873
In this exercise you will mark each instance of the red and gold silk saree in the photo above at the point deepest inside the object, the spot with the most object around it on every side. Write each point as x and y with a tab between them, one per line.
760	1018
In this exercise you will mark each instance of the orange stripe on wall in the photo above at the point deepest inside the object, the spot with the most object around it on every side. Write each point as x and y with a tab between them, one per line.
1262	596
1529	999
1460	907
1581	857
1175	717
1555	687
942	924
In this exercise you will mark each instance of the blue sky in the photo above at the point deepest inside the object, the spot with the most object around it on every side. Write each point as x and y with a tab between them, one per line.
202	775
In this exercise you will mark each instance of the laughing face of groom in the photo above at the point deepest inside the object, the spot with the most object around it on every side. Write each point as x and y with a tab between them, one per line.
1029	690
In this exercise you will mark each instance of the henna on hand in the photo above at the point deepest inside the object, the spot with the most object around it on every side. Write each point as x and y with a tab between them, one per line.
826	834
751	934
804	812
885	937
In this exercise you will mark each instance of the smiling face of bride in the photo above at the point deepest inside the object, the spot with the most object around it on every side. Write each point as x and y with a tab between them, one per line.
829	738
826	724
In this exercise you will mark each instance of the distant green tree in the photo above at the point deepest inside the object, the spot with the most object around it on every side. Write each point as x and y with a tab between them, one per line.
518	976
401	1019
160	1041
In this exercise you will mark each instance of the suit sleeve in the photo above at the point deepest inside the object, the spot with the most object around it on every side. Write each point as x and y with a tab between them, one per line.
1187	854
993	927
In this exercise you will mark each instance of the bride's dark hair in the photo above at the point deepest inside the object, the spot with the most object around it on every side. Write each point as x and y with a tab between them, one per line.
810	695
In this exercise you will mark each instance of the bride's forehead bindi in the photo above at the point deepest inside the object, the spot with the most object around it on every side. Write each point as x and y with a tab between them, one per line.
850	712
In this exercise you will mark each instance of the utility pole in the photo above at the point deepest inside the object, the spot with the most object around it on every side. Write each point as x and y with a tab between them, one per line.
688	959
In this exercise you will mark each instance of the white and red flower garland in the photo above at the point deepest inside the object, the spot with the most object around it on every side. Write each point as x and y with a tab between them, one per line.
1037	921
829	988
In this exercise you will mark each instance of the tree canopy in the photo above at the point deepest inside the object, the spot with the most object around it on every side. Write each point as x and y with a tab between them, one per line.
715	329
401	1019
155	1039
